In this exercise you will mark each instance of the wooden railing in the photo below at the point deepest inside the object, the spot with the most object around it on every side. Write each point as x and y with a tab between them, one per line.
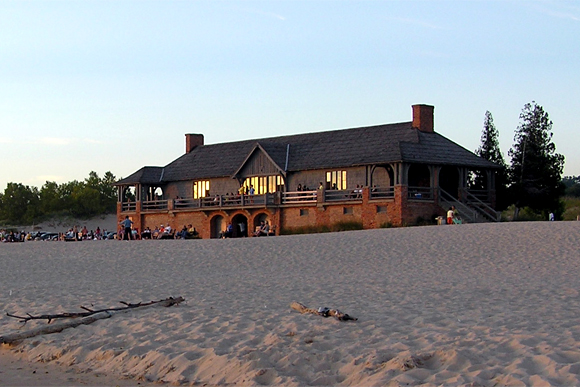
343	195
420	193
154	205
481	207
186	203
299	197
128	206
382	193
295	197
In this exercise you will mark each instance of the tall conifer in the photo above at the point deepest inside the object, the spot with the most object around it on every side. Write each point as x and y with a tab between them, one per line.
490	150
536	169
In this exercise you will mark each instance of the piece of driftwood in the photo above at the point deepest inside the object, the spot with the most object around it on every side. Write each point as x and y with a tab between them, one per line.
89	312
324	312
77	319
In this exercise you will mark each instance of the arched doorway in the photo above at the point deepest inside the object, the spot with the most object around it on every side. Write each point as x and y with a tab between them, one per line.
217	226
449	180
382	176
240	225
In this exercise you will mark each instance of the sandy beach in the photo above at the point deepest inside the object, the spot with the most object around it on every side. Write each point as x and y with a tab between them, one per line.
475	304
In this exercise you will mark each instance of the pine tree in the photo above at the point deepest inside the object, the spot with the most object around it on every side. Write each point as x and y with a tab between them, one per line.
536	169
489	150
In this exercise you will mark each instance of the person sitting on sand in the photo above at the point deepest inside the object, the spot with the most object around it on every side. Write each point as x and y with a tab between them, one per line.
146	234
164	232
191	231
265	230
182	234
258	229
456	217
450	215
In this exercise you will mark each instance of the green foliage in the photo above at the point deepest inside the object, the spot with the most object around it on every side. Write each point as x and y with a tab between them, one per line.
536	169
336	227
19	202
490	150
572	184
572	208
23	204
525	214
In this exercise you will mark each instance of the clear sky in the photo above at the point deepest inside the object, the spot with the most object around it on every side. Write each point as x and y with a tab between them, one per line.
114	85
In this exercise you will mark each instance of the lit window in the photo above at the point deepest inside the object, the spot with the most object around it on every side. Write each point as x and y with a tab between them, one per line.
336	180
200	189
264	184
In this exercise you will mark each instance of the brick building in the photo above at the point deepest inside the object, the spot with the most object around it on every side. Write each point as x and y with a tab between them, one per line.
385	174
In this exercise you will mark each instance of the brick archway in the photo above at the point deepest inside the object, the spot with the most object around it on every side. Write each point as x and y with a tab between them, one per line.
240	225
217	226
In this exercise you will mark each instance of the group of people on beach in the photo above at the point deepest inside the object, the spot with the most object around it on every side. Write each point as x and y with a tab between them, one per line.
12	236
72	234
127	232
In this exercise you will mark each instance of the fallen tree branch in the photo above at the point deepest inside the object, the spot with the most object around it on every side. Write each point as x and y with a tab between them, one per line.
89	312
87	318
322	311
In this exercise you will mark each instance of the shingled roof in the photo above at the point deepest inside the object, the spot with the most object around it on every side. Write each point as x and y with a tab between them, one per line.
333	149
146	175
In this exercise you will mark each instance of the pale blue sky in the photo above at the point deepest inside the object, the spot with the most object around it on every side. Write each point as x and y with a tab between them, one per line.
114	85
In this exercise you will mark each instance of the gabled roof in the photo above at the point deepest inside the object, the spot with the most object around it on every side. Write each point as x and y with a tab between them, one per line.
274	150
146	175
370	145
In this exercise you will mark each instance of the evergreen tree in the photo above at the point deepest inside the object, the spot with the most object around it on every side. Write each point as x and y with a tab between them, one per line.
536	169
489	150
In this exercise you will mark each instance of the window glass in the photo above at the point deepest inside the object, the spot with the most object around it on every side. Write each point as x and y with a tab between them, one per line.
336	180
264	184
200	189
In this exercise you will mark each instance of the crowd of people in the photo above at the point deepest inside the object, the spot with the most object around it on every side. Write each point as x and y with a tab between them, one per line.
72	234
159	232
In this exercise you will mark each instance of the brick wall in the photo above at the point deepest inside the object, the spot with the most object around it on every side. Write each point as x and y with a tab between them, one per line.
397	211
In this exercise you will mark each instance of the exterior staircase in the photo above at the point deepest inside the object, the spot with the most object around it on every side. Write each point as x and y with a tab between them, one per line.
471	208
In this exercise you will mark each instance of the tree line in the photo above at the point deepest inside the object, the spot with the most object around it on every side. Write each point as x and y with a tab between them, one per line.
84	199
533	180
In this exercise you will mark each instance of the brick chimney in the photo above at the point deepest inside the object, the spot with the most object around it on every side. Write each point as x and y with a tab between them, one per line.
192	140
423	117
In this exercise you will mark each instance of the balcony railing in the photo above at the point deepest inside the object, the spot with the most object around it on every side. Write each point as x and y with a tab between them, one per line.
154	205
186	203
299	197
382	193
129	206
285	198
420	193
343	195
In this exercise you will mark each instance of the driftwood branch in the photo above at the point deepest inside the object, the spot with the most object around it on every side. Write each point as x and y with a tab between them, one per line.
86	318
89	312
324	312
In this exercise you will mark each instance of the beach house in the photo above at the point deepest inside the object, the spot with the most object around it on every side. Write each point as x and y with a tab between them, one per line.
392	174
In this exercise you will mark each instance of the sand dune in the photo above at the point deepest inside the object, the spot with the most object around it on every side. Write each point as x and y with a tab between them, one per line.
481	305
